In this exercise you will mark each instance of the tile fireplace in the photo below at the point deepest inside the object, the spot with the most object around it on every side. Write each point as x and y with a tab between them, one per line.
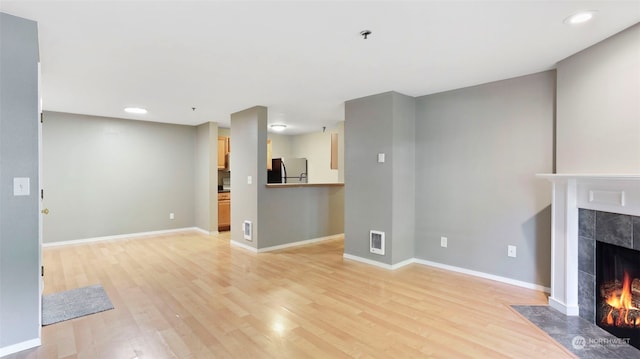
595	239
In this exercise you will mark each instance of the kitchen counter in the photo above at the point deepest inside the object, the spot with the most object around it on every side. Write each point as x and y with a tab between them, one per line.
289	185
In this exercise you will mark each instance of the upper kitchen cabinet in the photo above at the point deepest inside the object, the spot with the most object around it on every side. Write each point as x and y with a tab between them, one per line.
223	150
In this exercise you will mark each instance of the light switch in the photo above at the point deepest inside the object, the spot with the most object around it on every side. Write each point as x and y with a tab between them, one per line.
380	157
21	186
249	180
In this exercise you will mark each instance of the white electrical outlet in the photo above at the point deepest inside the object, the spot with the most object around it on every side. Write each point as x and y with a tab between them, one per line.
172	215
511	251
249	180
443	242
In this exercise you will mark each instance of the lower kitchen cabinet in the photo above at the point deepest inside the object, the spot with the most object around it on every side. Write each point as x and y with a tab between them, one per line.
224	211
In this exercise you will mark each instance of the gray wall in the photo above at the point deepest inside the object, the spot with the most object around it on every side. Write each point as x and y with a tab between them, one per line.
477	151
403	186
106	176
249	158
19	243
206	177
598	128
368	194
380	196
296	214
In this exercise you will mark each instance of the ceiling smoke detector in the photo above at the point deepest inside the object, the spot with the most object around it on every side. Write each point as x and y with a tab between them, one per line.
365	33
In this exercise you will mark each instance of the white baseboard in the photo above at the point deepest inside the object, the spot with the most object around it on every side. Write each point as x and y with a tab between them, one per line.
496	278
120	236
205	232
243	246
379	264
11	349
300	243
563	308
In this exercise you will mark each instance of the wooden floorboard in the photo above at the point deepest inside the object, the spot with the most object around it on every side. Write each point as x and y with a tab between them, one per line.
189	295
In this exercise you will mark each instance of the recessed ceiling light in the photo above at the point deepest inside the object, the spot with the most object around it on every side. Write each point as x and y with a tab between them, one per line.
278	127
135	110
580	17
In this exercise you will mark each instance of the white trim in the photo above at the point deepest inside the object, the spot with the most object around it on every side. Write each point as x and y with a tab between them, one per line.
119	236
484	275
367	261
204	231
403	263
449	268
563	308
300	243
379	264
11	349
242	245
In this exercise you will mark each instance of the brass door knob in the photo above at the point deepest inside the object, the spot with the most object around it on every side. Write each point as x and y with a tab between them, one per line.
45	211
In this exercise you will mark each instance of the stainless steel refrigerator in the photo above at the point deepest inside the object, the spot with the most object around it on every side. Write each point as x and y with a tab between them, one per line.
288	170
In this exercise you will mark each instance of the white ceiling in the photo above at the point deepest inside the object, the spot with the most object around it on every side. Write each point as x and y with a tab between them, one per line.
301	59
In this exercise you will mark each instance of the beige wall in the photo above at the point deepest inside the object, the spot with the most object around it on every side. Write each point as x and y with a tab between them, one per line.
598	107
316	148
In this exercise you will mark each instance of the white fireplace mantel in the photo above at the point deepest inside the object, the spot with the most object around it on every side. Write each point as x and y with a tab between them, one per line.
615	193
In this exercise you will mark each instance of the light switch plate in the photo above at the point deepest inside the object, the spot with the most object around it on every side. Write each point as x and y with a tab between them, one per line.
21	186
249	180
380	157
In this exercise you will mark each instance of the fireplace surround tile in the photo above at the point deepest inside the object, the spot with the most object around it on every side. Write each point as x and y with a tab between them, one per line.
587	223
587	255
636	233
587	296
564	329
614	228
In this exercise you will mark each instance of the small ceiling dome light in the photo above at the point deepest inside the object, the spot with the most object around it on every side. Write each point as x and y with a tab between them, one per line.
278	127
580	17
135	110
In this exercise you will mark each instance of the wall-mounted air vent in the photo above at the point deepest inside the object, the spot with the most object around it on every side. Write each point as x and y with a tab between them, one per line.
247	230
376	242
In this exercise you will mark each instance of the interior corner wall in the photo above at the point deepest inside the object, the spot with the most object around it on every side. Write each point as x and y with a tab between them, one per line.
206	177
598	115
368	197
477	152
108	176
249	159
19	227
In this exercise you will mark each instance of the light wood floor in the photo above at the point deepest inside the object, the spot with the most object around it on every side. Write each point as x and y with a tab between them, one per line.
194	296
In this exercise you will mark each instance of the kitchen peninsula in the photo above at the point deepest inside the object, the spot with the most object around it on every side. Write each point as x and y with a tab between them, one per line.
290	185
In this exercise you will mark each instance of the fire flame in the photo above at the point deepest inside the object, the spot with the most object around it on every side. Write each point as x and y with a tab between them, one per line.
623	304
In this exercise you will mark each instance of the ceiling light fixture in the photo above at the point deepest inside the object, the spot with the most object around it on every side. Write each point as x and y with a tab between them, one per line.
278	127
580	17
135	110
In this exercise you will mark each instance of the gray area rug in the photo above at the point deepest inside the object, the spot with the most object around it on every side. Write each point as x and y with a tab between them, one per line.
74	303
584	339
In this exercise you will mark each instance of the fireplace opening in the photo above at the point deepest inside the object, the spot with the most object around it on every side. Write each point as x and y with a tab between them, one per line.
618	291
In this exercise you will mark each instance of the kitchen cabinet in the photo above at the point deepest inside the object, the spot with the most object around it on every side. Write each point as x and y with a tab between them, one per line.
224	211
334	151
223	150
